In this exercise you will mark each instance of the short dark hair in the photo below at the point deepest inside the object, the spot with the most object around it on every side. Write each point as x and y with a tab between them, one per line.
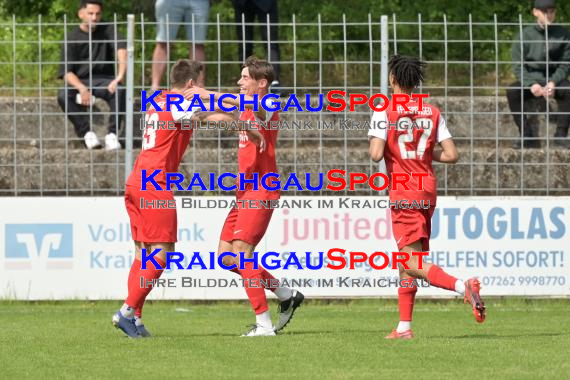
83	3
259	69
408	71
184	70
544	5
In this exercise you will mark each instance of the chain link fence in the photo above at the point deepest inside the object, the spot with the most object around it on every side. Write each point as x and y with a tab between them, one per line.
469	71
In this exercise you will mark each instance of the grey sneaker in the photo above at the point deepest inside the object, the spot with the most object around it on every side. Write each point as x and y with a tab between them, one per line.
287	309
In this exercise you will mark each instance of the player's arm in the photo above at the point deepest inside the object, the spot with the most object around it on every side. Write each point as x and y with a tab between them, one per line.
448	153
205	95
221	115
217	117
377	136
233	114
260	114
376	149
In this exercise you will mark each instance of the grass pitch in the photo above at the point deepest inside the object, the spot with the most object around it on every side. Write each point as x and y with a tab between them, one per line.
333	340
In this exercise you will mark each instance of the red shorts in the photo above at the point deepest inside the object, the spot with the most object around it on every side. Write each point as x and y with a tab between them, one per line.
246	224
150	225
411	225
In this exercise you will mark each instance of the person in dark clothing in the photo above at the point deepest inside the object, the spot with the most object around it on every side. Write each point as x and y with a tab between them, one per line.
87	67
540	78
260	9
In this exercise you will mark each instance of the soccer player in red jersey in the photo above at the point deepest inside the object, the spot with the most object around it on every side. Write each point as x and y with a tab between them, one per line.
157	228
245	227
407	141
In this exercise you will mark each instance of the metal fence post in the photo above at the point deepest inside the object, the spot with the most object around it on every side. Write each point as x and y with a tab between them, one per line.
522	118
14	107
320	41
471	106
445	84
371	79
40	104
130	89
384	48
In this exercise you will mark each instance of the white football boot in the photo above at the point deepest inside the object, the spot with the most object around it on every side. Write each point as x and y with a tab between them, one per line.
257	330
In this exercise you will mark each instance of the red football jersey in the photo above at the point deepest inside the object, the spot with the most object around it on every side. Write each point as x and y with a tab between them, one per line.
251	161
162	148
411	137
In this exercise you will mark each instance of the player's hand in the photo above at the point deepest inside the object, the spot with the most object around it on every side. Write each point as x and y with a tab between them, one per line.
549	89
85	97
536	90
112	87
257	138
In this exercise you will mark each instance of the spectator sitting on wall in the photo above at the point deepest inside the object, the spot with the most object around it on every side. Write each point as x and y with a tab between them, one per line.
537	80
87	67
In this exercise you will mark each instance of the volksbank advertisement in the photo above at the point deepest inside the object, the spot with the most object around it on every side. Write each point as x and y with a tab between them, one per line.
82	248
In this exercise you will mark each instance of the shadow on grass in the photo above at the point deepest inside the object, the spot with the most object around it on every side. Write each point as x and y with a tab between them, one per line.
195	335
280	334
496	336
336	332
324	332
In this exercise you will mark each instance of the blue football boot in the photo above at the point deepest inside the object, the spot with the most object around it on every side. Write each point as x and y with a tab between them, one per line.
127	325
143	331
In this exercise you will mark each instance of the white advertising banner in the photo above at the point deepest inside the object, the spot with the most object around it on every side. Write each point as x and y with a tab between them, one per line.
81	248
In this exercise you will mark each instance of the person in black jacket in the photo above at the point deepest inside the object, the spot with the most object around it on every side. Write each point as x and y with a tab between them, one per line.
540	77
260	9
88	68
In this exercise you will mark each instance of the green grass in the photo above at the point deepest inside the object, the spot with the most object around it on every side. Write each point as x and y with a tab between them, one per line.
333	340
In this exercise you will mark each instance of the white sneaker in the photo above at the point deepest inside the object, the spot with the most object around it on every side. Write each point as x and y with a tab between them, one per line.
112	142
91	140
257	330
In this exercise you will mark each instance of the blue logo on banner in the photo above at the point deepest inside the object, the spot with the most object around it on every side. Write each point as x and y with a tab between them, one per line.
39	245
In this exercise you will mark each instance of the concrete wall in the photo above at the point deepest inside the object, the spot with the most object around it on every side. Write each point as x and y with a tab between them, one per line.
51	127
43	162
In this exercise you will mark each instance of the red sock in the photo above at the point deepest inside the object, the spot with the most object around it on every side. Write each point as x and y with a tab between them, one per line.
256	294
437	277
137	295
406	298
136	265
267	278
133	283
138	311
